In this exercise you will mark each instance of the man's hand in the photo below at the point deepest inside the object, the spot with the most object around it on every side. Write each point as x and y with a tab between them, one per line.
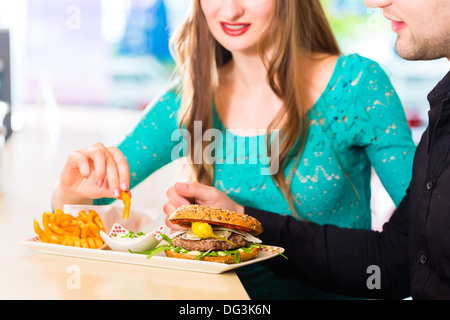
196	193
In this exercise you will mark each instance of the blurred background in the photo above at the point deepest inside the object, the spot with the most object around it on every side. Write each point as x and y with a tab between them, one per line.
113	54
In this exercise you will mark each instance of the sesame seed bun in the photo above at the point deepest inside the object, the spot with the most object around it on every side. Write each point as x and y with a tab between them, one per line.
185	215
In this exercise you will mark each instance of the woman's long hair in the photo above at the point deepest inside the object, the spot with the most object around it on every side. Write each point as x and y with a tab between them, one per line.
296	29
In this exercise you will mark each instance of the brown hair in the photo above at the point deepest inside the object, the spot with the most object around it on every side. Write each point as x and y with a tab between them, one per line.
296	29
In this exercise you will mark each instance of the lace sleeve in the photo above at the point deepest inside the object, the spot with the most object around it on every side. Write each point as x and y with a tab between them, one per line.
382	130
148	147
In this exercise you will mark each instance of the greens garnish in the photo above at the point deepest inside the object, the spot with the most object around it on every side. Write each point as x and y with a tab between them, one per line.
210	253
133	235
166	238
272	249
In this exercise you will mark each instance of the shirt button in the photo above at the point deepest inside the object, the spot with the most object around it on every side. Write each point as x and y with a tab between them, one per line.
423	259
430	185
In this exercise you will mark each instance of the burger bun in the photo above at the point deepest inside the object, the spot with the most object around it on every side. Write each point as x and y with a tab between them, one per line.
185	215
244	256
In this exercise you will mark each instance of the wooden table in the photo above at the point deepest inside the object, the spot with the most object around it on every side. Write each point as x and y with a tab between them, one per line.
33	159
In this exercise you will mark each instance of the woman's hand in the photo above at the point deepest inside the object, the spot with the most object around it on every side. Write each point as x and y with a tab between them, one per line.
196	193
91	173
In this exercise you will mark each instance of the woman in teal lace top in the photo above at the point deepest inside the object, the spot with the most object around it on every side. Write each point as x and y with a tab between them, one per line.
357	123
337	116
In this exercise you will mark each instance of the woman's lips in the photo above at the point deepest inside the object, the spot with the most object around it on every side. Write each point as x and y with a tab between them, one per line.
235	29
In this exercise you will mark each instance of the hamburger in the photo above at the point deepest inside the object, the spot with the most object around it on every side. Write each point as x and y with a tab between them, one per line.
213	234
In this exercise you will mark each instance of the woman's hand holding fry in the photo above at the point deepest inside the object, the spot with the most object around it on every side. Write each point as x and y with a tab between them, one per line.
91	173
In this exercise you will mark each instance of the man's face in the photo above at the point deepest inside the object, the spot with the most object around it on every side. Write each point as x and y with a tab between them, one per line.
423	27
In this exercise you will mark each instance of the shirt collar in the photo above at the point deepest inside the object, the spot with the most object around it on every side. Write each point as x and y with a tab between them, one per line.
441	91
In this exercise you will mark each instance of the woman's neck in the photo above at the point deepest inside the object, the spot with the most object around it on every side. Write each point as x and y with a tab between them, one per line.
247	71
244	98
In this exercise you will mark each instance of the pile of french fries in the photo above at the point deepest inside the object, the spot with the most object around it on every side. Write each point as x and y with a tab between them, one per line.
62	228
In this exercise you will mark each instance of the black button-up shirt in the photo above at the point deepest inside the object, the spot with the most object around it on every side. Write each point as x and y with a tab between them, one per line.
430	202
413	251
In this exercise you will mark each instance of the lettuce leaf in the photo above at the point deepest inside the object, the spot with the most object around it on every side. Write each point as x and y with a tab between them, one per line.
209	253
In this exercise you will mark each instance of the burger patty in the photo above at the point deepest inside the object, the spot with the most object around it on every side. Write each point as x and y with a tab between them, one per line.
210	244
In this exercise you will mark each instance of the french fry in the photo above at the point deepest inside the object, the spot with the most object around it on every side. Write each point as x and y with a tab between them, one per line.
52	237
92	214
89	229
64	218
127	203
56	229
99	223
82	216
91	243
98	242
68	223
76	241
74	231
68	240
84	243
37	228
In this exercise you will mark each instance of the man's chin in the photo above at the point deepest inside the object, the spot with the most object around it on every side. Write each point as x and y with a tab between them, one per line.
414	52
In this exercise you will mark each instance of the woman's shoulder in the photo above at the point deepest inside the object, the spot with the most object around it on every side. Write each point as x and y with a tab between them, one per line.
358	71
173	89
373	97
357	61
170	96
360	82
354	66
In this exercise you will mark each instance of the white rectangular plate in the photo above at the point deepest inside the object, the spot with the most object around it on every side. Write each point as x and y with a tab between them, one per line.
160	261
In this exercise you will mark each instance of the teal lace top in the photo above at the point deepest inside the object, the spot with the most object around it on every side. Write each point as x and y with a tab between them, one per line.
357	123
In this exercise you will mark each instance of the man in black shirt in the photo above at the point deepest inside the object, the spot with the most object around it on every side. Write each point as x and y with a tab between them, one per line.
411	256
